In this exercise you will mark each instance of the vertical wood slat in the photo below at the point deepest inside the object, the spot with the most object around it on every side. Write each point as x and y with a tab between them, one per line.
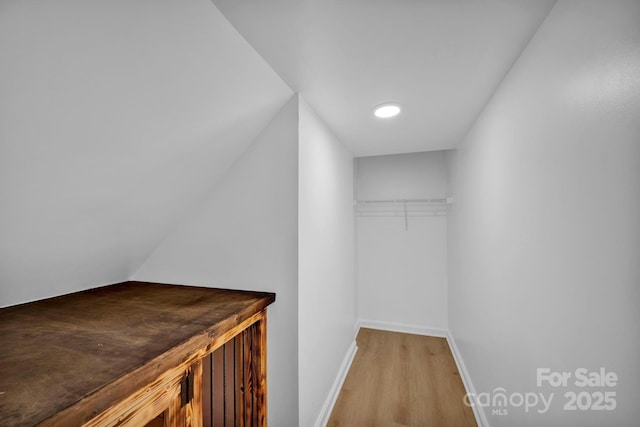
218	387
248	376
229	384
174	414
254	375
207	392
193	411
260	366
239	376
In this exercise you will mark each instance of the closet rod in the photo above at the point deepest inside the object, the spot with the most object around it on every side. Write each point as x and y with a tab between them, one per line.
442	200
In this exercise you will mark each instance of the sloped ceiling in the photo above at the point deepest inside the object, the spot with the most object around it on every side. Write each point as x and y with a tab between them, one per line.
115	117
440	59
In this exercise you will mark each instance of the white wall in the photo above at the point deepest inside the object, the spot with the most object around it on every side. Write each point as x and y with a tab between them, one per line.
245	236
545	236
327	295
115	117
402	273
253	234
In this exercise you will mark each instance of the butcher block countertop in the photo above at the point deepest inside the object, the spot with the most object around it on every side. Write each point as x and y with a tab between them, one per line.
71	357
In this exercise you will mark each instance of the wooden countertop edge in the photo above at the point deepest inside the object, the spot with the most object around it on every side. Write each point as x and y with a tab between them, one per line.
190	350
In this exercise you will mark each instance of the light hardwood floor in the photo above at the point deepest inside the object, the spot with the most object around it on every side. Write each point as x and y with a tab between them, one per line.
401	380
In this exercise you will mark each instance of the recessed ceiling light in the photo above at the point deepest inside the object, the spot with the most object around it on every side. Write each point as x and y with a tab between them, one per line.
384	111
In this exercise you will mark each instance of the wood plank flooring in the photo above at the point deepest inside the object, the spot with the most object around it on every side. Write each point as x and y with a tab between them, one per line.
401	380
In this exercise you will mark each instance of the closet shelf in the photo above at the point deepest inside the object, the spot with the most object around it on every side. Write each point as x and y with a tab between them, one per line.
405	208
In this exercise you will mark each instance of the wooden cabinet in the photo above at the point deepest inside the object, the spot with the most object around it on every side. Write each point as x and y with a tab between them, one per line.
136	354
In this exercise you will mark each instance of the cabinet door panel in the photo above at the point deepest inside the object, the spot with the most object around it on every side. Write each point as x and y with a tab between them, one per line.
234	383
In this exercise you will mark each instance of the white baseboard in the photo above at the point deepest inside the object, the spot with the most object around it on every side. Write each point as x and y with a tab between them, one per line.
327	408
402	327
478	411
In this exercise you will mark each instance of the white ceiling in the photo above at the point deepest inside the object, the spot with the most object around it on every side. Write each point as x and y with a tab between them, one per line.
440	59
